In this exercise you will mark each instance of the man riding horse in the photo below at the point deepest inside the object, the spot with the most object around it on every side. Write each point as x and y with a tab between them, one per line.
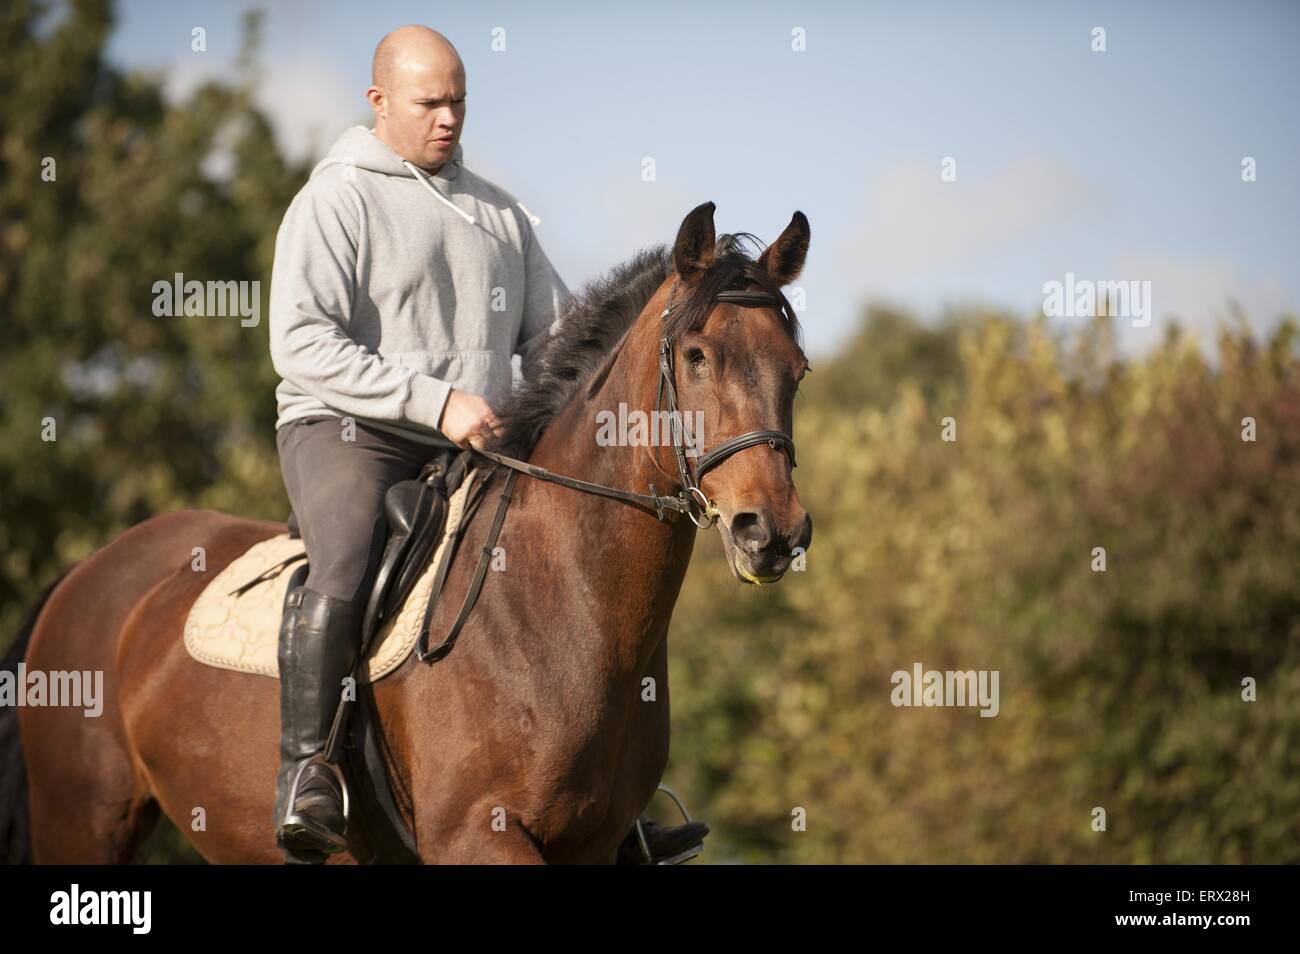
403	284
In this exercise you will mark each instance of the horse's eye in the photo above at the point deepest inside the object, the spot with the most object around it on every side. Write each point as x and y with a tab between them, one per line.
695	358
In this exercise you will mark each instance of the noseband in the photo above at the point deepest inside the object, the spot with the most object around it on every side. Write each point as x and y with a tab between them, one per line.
690	500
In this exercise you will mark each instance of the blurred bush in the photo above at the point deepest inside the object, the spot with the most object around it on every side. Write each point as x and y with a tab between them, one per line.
1119	689
151	413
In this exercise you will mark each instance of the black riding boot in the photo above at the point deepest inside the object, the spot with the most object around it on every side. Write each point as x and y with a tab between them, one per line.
319	642
662	842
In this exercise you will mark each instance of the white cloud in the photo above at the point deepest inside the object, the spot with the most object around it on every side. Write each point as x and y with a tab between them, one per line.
917	224
308	101
612	218
1199	293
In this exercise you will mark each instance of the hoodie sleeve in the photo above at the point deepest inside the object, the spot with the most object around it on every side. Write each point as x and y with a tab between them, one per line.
545	296
312	288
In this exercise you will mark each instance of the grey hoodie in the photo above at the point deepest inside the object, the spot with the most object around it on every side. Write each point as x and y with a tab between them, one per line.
390	287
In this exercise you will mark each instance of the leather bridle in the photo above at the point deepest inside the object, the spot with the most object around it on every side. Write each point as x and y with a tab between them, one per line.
690	482
690	500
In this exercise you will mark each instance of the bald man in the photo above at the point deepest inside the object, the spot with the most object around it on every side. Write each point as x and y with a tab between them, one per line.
402	287
403	284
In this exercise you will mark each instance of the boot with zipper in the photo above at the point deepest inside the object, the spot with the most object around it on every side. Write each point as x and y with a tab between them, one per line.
319	644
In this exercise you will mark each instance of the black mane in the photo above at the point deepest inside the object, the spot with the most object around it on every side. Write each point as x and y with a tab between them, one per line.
598	317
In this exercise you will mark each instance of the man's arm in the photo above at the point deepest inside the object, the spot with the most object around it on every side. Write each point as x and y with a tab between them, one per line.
545	296
311	304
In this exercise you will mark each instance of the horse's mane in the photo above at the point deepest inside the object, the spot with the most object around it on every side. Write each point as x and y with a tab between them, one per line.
598	317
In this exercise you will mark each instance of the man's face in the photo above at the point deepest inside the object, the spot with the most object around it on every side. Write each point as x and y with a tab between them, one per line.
421	115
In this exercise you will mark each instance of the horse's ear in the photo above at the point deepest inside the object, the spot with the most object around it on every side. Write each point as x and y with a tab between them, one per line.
784	258
693	251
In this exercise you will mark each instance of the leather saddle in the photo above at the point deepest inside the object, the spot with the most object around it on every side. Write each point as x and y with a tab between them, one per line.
416	512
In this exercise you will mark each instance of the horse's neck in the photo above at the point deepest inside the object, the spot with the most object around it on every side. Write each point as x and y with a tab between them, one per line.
627	555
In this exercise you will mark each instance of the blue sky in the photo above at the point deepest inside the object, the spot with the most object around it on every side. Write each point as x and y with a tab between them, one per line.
1115	165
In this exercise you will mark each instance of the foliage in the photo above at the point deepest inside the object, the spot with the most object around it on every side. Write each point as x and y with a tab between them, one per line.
150	413
1119	689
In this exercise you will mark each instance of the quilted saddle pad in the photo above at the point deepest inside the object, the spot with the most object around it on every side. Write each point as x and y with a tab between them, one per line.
243	632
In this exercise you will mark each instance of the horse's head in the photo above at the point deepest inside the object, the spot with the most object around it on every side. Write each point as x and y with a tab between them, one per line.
737	367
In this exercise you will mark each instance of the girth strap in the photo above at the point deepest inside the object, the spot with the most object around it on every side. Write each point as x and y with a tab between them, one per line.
475	586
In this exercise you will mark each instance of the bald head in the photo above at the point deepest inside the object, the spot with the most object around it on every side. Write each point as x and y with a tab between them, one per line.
410	47
418	95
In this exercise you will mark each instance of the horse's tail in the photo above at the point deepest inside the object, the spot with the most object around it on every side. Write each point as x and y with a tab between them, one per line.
15	838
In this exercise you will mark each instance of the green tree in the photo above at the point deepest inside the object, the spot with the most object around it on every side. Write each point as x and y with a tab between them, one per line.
1119	689
105	189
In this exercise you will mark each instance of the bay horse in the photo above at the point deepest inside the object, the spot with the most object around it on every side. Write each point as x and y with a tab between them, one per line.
544	717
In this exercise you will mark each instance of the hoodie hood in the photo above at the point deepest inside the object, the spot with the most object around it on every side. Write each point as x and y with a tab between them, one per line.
361	148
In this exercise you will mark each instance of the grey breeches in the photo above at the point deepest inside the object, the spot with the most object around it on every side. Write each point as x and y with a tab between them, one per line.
336	489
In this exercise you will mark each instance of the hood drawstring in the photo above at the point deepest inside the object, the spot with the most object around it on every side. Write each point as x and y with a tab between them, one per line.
447	202
438	195
531	218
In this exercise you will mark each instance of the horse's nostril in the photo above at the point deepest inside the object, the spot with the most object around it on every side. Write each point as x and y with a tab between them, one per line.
751	531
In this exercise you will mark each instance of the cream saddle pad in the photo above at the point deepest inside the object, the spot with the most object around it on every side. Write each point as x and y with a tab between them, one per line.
243	632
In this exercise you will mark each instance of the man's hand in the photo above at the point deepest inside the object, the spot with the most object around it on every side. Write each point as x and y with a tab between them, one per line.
467	418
